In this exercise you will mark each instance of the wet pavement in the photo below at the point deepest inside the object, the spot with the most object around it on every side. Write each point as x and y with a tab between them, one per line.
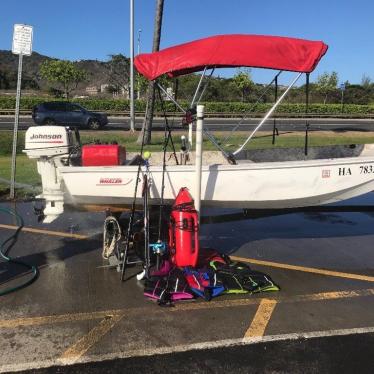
78	311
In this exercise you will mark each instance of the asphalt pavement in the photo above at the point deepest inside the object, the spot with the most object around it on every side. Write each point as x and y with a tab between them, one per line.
304	355
79	317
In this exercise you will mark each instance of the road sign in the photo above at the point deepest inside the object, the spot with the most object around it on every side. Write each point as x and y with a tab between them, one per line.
342	86
22	40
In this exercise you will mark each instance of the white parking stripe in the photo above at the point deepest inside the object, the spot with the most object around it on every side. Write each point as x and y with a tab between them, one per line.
189	347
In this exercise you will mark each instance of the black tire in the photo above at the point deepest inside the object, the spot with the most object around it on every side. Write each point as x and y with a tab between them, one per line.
94	124
49	122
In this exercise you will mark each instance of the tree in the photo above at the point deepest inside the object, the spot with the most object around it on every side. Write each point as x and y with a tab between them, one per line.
64	74
4	80
243	81
141	84
326	83
118	72
148	119
365	81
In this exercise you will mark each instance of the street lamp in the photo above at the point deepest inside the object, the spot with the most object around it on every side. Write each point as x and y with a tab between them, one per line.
139	33
138	83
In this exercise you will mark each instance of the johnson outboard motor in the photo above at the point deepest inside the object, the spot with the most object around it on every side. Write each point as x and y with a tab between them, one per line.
52	147
184	230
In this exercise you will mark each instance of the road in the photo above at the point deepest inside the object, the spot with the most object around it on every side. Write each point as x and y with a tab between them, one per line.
225	124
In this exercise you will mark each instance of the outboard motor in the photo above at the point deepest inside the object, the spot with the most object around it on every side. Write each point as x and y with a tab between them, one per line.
184	230
51	146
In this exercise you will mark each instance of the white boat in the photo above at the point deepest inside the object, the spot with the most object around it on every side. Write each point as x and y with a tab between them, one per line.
245	185
233	180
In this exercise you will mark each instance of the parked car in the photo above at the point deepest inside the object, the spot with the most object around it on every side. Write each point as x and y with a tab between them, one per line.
69	114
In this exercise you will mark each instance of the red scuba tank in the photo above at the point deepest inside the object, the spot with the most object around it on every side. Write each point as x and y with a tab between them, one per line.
184	230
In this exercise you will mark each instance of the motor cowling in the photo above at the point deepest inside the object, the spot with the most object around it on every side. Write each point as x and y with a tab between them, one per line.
184	231
47	141
50	146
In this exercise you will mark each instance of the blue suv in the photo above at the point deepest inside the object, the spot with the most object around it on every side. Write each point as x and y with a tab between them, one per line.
69	114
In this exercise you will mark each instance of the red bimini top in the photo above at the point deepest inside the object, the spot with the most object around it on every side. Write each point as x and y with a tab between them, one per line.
227	51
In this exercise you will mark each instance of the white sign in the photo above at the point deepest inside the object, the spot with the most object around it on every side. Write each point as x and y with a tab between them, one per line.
22	40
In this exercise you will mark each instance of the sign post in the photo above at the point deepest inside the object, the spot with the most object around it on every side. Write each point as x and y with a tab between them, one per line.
22	46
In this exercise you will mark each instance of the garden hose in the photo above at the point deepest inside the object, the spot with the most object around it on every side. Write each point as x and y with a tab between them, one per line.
5	248
111	236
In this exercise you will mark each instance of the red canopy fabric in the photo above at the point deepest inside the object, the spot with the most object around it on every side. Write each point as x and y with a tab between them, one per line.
260	51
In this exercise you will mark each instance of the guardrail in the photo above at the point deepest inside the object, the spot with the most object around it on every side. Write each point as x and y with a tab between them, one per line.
11	111
218	114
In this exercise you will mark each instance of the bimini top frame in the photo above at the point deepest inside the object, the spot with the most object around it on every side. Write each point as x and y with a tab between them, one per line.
259	51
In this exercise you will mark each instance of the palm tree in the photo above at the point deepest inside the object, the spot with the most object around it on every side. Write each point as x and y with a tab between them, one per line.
148	119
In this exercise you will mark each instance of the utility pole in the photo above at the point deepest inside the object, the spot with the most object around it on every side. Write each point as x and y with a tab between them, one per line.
342	89
132	108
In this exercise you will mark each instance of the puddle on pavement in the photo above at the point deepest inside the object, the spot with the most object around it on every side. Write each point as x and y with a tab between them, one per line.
351	217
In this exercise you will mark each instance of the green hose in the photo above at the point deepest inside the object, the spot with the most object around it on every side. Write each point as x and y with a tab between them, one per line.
5	248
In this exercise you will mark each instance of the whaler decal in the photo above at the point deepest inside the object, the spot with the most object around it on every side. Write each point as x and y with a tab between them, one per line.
113	182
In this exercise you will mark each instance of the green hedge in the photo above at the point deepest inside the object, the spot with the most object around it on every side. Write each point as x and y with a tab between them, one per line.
119	105
235	107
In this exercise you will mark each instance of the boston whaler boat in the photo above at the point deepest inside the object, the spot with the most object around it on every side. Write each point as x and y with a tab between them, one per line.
101	175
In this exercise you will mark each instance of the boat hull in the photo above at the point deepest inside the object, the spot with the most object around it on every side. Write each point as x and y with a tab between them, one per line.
270	185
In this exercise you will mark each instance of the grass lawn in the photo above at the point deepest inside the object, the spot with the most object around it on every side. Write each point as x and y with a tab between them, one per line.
27	172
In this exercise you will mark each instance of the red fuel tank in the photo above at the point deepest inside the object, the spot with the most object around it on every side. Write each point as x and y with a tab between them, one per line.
103	155
184	230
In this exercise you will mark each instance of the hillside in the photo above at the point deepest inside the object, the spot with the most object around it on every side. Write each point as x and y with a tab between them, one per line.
97	71
219	89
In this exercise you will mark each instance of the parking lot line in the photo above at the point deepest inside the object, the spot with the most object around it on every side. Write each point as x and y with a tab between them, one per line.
261	318
280	299
45	232
44	320
332	273
207	345
304	269
78	349
333	295
109	318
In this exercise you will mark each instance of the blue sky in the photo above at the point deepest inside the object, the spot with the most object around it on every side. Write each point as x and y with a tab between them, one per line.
84	29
